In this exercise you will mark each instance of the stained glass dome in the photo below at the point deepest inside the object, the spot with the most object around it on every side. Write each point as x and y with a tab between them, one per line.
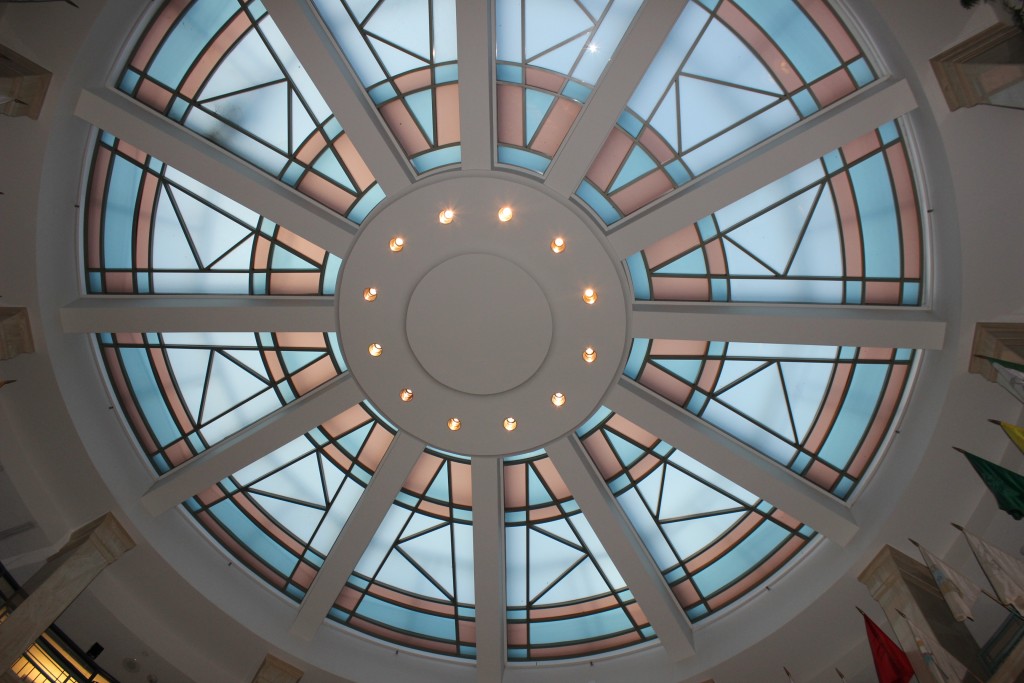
732	178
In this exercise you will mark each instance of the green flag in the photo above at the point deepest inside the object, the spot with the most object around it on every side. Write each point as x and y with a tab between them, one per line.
1007	486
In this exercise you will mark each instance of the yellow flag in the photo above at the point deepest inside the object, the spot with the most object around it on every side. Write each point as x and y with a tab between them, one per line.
1015	433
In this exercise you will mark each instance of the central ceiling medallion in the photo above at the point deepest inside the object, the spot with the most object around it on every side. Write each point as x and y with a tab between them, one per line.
483	315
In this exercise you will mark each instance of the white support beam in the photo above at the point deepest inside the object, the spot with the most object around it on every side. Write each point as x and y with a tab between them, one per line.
252	443
623	545
475	26
342	90
638	47
357	533
755	472
784	153
889	327
489	568
148	313
204	161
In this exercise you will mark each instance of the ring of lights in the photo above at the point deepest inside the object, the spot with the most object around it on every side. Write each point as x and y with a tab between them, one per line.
480	317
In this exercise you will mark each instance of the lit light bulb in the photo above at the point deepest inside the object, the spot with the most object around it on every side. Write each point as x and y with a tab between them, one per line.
558	245
589	295
396	244
589	354
375	349
510	424
446	216
455	424
370	293
406	394
505	214
558	399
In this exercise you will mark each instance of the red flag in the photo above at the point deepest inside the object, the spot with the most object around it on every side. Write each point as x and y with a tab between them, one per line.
891	662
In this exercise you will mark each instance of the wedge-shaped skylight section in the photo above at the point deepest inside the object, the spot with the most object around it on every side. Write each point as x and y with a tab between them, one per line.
150	229
223	70
564	596
184	392
551	53
713	541
414	584
731	74
821	411
405	52
280	515
844	229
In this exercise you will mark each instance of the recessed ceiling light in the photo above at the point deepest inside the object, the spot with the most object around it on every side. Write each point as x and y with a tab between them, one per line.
510	424
589	354
446	216
505	214
406	394
558	399
376	349
455	424
370	293
396	244
558	245
589	295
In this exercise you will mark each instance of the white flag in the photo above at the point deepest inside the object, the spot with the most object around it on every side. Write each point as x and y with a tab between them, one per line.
1004	572
1010	379
958	591
944	666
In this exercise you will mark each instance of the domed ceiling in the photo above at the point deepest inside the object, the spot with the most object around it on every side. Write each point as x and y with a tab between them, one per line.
611	293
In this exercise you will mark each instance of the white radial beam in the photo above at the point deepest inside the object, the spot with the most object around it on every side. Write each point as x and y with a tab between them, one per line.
888	327
755	472
638	47
784	153
204	161
624	546
475	26
489	568
342	90
357	533
168	313
252	443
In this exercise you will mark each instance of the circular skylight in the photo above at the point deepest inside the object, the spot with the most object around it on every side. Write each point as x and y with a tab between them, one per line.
603	283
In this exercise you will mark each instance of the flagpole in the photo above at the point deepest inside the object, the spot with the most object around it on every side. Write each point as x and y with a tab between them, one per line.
1012	609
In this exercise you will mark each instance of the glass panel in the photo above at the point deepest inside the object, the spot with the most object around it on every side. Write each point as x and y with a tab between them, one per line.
150	229
713	541
821	411
414	583
184	392
845	229
405	54
728	77
551	53
223	70
564	596
280	515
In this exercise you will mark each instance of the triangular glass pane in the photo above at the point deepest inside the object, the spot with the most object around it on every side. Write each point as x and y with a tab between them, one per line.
229	385
721	56
396	62
399	573
583	581
549	22
560	528
536	493
806	384
773	235
296	360
686	496
433	552
438	489
666	118
685	369
537	105
819	252
286	259
170	246
248	65
421	104
250	359
650	488
262	112
327	164
548	559
301	520
742	263
637	164
732	370
628	452
302	123
332	475
360	8
405	23
761	398
687	264
561	59
239	258
189	369
212	233
301	480
595	7
353	442
709	108
689	536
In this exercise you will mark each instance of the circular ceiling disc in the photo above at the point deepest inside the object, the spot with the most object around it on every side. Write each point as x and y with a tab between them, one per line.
480	318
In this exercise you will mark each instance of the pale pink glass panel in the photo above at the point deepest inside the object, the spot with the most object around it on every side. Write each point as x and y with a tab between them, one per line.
821	474
883	293
375	447
545	513
423	473
546	469
861	147
554	129
761	44
429	508
407	131
155	35
154	95
678	347
357	168
546	80
311	377
462	483
517	634
709	375
378	590
786	519
132	152
345	422
602	455
602	603
685	593
145	220
178	452
666	385
829	410
294	283
118	282
609	159
96	203
311	148
510	115
724	544
909	216
843	194
348	599
656	145
833	87
414	80
680	288
467	631
303	575
643	467
301	245
181	415
515	486
585	648
325	192
671	247
447	99
715	257
403	638
642	192
261	255
628	429
832	28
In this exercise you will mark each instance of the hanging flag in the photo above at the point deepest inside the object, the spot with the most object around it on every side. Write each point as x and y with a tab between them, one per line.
957	590
891	663
1015	433
1004	572
1007	486
944	667
1009	376
840	674
789	675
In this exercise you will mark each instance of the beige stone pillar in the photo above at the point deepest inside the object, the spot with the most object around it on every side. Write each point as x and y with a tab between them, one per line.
54	587
899	583
274	670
